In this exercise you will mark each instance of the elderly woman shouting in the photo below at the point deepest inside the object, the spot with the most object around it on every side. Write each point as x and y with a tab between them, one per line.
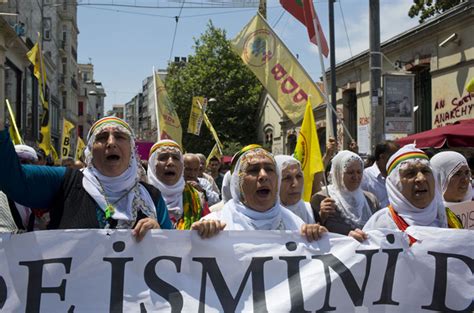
413	196
255	201
454	177
106	194
165	172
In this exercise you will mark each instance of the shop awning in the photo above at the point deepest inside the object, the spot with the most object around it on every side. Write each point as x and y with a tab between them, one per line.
457	135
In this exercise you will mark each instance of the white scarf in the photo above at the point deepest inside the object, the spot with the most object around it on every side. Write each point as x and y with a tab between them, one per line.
108	190
446	164
352	205
300	207
225	190
432	215
173	195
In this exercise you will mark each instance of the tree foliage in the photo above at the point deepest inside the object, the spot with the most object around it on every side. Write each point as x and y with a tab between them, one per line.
426	8
214	71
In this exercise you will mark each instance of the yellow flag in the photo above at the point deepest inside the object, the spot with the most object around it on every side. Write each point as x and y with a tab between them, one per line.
215	152
195	117
33	56
167	119
36	58
307	151
79	148
66	140
55	156
470	86
14	133
276	68
209	126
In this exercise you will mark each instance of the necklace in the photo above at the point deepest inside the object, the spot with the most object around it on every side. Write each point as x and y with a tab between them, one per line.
110	207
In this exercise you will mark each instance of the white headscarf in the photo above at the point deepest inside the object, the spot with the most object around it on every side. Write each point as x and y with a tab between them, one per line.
108	190
173	195
434	214
225	190
240	217
446	164
26	152
300	208
352	205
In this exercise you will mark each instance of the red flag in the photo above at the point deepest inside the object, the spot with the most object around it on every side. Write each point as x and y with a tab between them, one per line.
303	11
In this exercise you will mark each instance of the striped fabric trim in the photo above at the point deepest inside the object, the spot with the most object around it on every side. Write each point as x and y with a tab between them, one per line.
167	143
109	120
406	156
239	154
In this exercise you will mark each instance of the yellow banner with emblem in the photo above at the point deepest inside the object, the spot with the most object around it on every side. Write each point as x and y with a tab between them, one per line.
79	148
276	68
66	140
195	117
36	58
308	152
169	126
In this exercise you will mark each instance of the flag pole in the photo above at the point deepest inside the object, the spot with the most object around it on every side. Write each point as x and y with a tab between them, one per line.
329	109
12	116
158	129
325	82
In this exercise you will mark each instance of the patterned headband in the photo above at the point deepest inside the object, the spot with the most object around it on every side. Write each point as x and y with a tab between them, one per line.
405	156
109	120
165	143
239	154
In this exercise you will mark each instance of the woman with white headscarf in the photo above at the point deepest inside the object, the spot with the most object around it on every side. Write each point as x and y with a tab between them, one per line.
225	193
454	177
165	172
106	194
291	187
255	201
413	195
347	207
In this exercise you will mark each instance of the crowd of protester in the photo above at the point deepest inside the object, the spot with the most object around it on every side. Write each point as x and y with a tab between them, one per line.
112	188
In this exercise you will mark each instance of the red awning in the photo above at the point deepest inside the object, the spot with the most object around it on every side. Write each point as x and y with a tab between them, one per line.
454	136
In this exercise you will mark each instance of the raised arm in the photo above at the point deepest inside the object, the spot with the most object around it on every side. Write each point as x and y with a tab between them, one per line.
30	185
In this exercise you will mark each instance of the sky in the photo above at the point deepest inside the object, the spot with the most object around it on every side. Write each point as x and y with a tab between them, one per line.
125	43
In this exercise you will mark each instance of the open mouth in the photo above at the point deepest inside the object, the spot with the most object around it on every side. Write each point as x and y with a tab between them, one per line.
263	192
113	157
170	173
421	192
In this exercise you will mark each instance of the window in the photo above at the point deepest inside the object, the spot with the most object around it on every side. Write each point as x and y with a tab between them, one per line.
80	108
80	131
13	91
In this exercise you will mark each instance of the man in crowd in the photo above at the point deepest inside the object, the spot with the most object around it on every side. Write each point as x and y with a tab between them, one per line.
203	174
214	168
191	175
374	176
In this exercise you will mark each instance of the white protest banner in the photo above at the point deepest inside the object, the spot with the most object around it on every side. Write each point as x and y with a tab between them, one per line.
465	212
236	271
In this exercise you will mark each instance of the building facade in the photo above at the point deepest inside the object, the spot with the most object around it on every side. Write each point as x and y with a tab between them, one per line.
90	104
439	57
57	24
438	54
